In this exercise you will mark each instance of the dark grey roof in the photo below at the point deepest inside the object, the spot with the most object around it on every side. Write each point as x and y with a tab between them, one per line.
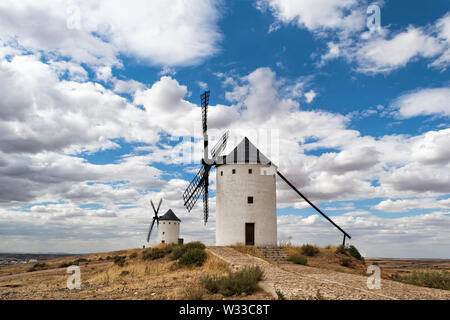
245	152
169	215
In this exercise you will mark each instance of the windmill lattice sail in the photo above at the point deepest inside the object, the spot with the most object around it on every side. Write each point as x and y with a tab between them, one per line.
200	184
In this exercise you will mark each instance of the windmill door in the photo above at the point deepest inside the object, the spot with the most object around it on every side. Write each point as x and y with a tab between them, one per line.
249	234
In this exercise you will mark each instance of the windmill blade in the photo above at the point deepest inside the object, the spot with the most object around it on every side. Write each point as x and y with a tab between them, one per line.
193	191
159	205
312	205
196	188
205	102
205	200
220	145
150	230
153	206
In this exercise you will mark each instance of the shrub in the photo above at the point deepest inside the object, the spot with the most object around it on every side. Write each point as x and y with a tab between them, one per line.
109	258
124	273
64	264
156	253
346	262
133	255
193	293
298	259
437	280
179	250
309	250
280	295
236	283
38	266
119	260
341	249
193	257
195	245
351	250
354	252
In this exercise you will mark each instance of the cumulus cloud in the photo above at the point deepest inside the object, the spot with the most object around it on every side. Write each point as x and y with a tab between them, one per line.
404	205
343	25
317	16
152	31
431	101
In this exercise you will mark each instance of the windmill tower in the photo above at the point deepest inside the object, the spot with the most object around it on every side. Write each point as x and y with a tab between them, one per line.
245	193
168	228
168	225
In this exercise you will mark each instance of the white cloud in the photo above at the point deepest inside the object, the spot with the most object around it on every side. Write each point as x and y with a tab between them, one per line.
202	85
384	55
343	25
432	101
310	95
317	15
404	205
154	32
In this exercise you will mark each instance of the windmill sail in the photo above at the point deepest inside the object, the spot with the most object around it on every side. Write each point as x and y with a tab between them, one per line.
155	218
194	190
150	230
220	145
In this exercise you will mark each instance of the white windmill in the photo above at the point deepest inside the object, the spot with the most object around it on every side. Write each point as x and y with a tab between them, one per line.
168	225
245	191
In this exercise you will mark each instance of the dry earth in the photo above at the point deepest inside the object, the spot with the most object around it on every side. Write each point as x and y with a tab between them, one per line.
158	279
303	282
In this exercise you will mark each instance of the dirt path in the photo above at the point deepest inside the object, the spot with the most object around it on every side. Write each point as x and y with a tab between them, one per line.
302	282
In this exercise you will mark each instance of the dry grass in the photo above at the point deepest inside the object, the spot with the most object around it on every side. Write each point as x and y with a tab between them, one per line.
137	279
328	259
247	249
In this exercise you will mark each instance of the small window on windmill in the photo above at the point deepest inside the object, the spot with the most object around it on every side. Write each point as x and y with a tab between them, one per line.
164	232
221	173
169	222
233	171
249	171
250	200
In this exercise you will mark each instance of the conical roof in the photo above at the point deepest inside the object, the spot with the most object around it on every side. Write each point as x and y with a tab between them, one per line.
245	152
169	215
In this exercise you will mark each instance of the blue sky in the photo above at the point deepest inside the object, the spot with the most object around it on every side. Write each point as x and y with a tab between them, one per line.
100	115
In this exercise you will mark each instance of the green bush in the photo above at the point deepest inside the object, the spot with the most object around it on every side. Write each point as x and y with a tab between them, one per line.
124	273
346	262
193	257
119	260
195	245
179	250
156	253
351	250
236	283
38	266
354	252
298	259
309	250
64	265
437	280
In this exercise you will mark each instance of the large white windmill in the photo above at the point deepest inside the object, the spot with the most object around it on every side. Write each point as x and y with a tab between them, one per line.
245	191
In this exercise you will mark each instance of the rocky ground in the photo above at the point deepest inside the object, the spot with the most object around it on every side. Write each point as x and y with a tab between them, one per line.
303	282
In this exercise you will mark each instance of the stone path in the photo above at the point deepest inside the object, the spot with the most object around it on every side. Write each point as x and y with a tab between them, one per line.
302	282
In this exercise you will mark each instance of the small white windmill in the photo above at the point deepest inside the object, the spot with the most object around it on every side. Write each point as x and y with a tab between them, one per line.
168	225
